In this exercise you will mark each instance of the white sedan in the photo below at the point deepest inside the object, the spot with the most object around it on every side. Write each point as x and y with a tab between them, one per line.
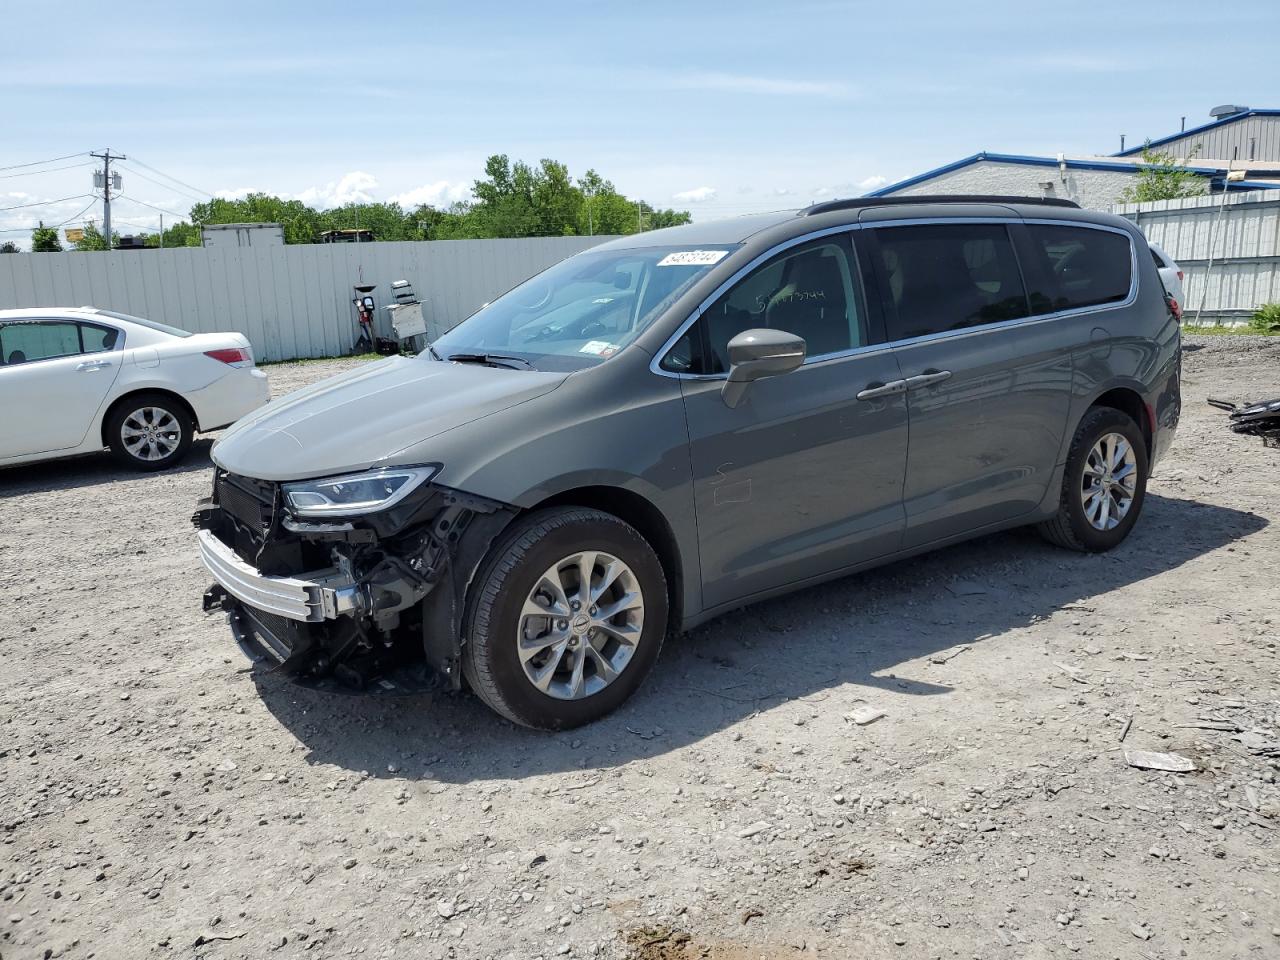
76	381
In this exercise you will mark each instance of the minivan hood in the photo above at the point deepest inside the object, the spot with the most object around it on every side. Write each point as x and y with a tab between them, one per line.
357	419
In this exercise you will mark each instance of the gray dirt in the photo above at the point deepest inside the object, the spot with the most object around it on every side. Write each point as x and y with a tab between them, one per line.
159	799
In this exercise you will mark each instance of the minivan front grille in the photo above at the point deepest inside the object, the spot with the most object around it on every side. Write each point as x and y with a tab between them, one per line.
248	501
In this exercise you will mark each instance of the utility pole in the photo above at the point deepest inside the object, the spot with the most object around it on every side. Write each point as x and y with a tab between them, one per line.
106	183
162	231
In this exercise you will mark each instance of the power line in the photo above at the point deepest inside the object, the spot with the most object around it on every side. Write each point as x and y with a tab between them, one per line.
40	163
36	173
181	216
45	203
184	193
55	226
203	193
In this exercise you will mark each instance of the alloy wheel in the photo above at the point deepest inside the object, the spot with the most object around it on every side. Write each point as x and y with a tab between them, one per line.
580	624
1110	481
151	433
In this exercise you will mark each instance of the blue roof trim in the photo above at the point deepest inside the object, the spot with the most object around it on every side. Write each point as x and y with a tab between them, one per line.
1014	158
1211	125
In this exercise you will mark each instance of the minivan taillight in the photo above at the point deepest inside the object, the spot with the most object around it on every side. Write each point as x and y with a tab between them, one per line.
231	355
1180	277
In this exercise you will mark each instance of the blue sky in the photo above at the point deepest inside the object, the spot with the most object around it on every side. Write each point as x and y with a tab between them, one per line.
721	108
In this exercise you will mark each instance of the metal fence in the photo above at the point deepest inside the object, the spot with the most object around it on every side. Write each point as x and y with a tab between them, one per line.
291	301
1228	245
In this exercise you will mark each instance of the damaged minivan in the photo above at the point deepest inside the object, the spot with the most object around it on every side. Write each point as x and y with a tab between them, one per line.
678	423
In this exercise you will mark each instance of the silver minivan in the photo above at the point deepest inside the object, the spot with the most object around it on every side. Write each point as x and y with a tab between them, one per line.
677	423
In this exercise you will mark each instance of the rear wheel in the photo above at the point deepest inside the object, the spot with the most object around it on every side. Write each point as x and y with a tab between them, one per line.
1103	485
567	618
149	431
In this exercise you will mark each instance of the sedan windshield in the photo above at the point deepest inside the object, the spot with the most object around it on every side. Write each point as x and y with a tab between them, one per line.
582	311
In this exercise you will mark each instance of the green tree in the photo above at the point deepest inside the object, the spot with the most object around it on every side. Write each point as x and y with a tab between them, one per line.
299	222
1162	177
93	239
45	240
9	247
657	219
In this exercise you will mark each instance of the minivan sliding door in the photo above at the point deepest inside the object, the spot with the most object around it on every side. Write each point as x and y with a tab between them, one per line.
987	392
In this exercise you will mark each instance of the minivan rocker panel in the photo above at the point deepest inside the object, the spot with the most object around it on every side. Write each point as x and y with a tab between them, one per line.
678	423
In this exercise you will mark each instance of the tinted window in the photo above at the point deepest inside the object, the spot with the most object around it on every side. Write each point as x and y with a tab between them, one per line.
810	292
948	276
97	339
42	340
1085	267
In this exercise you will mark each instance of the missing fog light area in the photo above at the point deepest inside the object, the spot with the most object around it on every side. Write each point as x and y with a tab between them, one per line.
363	602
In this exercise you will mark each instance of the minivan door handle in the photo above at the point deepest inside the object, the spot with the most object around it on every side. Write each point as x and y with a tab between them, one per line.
875	390
93	364
927	379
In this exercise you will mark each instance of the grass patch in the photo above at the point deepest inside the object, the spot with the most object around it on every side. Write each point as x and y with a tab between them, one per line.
349	356
1236	331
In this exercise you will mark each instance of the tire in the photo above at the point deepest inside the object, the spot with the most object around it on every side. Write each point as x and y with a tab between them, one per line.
136	415
1072	526
499	625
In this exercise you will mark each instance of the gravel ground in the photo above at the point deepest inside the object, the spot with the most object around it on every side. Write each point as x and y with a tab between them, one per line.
160	799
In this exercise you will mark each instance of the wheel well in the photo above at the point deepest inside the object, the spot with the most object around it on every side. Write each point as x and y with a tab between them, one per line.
646	518
1128	401
122	400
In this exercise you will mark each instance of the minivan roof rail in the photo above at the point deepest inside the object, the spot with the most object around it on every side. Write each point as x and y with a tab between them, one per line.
857	203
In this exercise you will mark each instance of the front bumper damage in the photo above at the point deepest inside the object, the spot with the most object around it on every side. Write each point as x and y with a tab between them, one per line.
371	603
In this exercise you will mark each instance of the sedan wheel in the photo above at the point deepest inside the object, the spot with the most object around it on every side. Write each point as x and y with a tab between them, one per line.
149	431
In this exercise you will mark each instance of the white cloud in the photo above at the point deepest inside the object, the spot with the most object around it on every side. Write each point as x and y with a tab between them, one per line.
440	193
870	183
696	195
770	86
354	187
781	191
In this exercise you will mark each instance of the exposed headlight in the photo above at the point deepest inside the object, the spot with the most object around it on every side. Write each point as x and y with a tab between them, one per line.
356	493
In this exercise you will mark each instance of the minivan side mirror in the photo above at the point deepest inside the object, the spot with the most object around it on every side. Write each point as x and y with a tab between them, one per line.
760	353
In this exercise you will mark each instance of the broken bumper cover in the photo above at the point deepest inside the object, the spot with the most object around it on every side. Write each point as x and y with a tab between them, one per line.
316	597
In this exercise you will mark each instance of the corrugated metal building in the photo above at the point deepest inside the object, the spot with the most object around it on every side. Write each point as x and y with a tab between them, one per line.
1237	135
1249	140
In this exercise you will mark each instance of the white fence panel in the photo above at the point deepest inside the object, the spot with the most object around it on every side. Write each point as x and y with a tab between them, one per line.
1228	247
290	301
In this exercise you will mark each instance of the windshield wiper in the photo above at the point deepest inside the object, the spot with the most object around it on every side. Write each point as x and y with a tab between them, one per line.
432	351
491	359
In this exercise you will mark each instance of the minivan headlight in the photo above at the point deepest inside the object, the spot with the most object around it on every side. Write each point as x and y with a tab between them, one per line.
356	493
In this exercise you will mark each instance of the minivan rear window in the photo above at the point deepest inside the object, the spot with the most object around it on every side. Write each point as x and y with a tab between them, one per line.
1086	267
950	276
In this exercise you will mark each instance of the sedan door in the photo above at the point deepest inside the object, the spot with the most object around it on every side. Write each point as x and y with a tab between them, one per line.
54	378
801	478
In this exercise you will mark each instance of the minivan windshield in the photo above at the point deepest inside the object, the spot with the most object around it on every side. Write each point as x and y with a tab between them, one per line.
583	310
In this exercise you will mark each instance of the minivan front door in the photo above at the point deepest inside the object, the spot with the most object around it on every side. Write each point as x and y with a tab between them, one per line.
801	478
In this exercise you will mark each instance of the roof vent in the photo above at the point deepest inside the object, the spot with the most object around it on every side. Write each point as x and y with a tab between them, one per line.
1226	110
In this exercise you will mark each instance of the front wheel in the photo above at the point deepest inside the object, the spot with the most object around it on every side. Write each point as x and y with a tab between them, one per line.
149	431
1103	485
567	618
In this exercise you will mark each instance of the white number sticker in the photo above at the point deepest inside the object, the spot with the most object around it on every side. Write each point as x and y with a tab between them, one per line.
693	258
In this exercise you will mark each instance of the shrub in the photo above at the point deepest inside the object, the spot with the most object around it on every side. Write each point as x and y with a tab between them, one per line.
1266	319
